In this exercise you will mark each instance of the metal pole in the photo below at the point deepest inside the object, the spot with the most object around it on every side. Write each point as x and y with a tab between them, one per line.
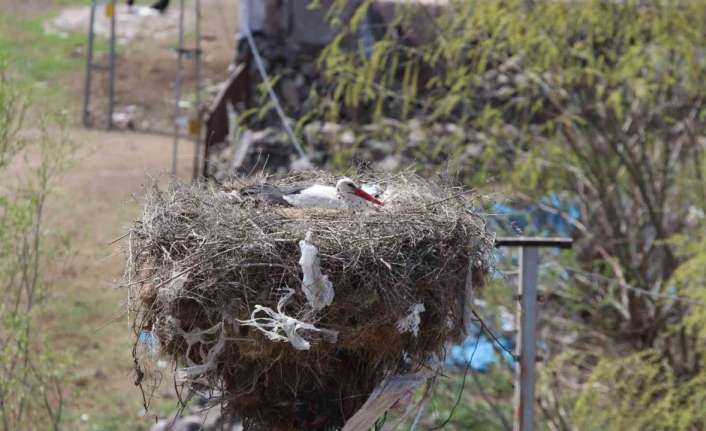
197	59
526	351
177	88
89	68
525	374
111	79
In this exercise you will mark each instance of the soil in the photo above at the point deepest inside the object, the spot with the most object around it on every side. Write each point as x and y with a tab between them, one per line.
146	60
93	203
136	23
97	198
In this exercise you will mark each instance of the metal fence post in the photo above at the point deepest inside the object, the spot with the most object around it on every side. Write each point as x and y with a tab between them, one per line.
526	349
527	340
197	60
89	68
111	78
177	89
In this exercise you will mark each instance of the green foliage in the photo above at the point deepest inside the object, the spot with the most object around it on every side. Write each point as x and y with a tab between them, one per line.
554	69
39	57
601	103
691	278
484	403
31	377
640	392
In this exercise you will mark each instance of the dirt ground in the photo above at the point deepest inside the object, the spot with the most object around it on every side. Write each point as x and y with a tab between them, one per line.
93	204
138	23
146	59
95	201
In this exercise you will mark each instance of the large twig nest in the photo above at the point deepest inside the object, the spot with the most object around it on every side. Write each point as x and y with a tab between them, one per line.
218	275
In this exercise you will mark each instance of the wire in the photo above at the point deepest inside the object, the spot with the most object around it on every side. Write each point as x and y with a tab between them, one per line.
641	291
574	272
463	385
494	338
270	89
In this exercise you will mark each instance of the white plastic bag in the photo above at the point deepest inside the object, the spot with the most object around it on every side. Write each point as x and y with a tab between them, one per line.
208	355
277	326
316	286
410	323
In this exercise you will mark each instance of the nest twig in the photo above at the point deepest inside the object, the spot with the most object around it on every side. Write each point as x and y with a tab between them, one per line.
202	258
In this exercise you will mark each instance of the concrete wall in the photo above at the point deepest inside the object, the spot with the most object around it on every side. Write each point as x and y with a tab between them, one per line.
295	21
309	26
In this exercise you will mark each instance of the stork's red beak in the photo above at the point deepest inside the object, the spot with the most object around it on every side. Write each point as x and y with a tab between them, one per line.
363	194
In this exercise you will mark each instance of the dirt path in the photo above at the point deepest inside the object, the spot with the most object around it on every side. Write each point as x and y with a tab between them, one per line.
95	200
146	59
92	205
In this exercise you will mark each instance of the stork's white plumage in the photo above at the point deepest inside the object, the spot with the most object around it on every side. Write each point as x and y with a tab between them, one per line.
315	196
346	195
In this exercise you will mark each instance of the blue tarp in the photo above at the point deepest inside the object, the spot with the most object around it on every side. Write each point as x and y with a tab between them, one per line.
534	219
531	220
484	356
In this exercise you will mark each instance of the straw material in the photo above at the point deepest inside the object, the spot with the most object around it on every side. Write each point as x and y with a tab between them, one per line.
217	279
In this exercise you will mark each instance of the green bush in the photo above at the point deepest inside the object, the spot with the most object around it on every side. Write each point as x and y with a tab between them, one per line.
31	377
601	103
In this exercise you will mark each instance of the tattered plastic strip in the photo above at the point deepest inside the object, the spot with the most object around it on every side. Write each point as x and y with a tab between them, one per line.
316	286
282	328
208	356
410	323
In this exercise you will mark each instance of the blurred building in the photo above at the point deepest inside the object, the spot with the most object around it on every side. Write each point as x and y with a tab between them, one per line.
290	35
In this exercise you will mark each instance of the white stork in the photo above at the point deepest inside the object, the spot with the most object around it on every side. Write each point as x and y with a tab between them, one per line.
346	195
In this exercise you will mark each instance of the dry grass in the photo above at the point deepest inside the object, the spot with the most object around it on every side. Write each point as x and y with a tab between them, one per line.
84	319
201	260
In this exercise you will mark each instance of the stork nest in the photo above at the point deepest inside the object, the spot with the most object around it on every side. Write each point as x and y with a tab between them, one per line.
203	257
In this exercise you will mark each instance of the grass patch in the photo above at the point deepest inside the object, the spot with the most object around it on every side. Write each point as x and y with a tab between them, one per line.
40	58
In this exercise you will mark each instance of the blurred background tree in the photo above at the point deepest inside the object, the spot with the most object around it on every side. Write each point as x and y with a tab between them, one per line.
598	105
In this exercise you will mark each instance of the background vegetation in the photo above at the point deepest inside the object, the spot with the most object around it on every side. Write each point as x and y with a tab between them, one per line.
596	106
77	331
31	377
599	106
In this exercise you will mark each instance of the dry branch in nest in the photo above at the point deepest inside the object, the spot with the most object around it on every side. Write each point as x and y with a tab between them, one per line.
218	281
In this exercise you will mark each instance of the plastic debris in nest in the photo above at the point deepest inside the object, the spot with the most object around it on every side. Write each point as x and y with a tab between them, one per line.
207	356
280	327
147	338
410	323
212	265
316	286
